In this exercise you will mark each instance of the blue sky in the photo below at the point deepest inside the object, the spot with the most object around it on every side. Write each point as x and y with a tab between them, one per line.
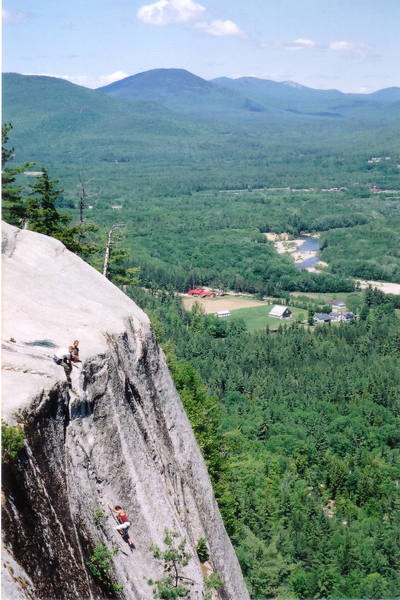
350	45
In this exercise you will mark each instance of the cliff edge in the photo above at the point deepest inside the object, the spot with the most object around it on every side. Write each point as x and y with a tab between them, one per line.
121	436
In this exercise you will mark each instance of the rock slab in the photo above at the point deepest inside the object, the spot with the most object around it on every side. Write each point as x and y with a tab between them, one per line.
121	437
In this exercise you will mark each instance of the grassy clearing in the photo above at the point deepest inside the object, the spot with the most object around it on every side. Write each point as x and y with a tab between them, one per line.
253	312
257	317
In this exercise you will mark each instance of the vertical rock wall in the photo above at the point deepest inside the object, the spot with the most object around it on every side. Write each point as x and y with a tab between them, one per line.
121	437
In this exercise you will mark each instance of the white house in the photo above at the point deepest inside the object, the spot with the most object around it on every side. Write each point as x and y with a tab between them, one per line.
222	313
280	312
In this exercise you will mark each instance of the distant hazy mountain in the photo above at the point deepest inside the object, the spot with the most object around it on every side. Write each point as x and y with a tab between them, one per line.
389	95
266	88
30	100
52	117
182	91
301	99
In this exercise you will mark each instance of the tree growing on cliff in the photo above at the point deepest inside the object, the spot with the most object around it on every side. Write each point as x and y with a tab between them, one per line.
12	441
101	566
173	558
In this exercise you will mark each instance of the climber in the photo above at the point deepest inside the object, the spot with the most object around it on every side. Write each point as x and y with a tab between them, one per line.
75	351
124	524
63	358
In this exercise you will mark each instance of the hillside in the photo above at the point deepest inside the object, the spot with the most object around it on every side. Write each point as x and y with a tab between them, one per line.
184	92
181	91
50	113
293	97
57	123
120	436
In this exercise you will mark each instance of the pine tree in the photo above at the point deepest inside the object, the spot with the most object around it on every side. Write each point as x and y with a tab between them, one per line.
42	214
14	205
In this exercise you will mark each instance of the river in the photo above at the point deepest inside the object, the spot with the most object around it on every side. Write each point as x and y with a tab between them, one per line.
310	244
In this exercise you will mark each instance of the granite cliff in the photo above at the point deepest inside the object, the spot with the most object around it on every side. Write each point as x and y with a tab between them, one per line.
120	436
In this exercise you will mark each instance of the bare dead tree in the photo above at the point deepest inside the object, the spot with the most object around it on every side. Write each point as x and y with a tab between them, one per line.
108	247
82	199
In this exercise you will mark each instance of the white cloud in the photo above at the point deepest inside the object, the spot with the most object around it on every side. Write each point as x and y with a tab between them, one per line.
305	43
301	44
116	76
220	28
341	46
359	49
164	12
14	17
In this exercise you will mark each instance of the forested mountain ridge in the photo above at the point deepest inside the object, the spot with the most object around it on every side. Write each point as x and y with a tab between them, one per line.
329	103
162	173
182	91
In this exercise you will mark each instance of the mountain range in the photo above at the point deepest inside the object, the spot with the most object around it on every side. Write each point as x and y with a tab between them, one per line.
168	125
180	90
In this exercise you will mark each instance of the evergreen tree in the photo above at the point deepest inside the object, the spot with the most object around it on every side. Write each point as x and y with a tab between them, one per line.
174	558
42	214
13	202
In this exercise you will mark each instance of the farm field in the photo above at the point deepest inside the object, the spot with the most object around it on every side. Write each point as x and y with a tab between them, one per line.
253	312
257	318
212	305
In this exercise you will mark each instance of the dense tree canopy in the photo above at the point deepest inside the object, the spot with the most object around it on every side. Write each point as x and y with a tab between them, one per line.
306	423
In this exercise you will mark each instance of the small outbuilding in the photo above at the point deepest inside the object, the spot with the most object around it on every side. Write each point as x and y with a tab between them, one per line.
322	318
348	316
280	312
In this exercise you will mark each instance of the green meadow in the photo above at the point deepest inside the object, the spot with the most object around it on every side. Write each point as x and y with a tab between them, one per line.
256	318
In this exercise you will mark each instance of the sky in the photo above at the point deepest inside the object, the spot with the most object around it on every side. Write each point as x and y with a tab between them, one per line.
350	45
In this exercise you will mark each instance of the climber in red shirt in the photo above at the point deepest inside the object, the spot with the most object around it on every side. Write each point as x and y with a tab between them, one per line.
124	524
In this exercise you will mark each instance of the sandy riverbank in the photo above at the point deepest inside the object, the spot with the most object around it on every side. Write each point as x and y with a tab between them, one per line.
283	244
384	286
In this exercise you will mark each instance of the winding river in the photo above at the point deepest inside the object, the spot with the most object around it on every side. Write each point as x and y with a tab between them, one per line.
310	244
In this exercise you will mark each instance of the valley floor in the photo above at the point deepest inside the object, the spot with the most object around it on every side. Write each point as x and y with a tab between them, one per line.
212	305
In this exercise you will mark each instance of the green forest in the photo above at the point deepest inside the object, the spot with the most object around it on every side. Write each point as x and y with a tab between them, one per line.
300	430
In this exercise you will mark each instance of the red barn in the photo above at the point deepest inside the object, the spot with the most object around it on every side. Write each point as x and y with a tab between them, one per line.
196	292
207	294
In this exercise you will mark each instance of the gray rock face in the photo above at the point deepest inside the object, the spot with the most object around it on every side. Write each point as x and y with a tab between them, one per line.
121	437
